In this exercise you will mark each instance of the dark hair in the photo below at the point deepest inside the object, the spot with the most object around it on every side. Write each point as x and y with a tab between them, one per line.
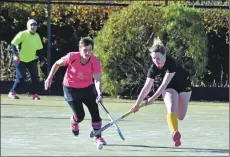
157	46
85	41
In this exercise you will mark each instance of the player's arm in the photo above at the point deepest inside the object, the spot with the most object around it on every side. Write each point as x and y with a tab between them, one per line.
98	84
97	72
55	67
16	41
53	70
14	49
167	78
145	90
40	52
64	61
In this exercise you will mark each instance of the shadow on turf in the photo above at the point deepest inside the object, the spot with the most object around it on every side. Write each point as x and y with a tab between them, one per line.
179	149
30	105
41	117
107	120
37	117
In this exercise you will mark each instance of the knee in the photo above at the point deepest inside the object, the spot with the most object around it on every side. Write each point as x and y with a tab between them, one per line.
20	80
80	117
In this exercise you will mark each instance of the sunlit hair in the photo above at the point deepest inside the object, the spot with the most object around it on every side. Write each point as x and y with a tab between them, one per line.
157	46
85	41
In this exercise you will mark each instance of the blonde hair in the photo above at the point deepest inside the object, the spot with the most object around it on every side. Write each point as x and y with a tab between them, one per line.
157	46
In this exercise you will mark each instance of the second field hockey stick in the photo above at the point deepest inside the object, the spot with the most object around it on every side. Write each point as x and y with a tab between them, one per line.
95	133
110	117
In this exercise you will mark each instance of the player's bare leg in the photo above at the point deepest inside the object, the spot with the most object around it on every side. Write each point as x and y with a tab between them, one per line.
171	99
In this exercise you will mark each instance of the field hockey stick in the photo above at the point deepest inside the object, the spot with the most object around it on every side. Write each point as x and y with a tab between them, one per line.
110	117
95	133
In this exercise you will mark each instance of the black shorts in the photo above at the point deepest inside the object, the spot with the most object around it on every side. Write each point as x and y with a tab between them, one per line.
72	94
181	86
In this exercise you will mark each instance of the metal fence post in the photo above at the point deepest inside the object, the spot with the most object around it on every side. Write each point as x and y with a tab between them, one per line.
166	2
49	37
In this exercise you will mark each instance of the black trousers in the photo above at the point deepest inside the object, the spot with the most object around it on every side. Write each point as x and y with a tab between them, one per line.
77	96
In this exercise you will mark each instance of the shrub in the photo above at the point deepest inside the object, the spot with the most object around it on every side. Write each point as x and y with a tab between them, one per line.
122	43
69	24
7	70
217	30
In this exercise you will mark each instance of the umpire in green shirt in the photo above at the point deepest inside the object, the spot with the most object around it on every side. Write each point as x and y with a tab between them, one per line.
27	48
